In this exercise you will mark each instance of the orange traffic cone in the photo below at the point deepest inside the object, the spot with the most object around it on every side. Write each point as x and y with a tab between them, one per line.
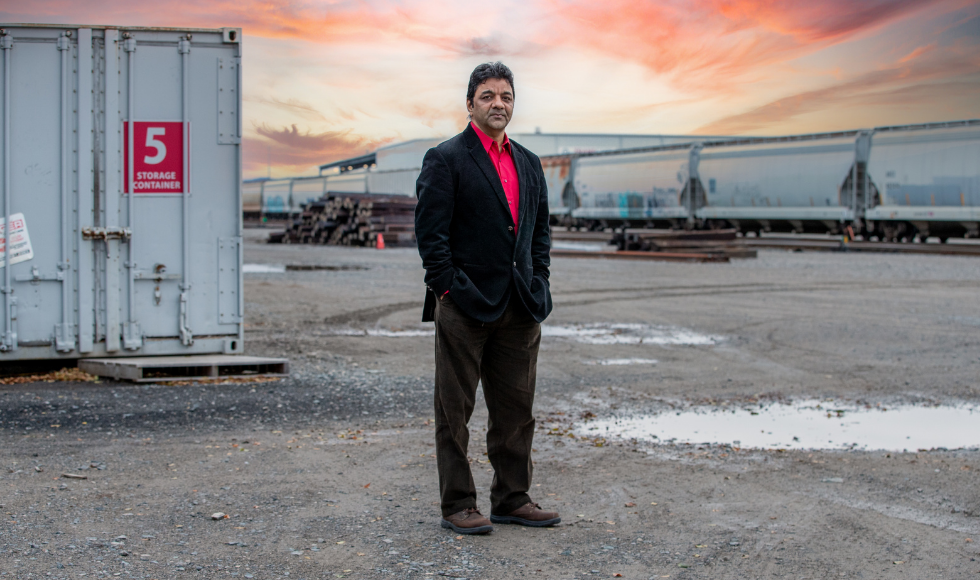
381	242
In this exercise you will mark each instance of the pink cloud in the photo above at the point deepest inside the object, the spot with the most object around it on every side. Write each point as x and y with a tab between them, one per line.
919	78
708	44
293	151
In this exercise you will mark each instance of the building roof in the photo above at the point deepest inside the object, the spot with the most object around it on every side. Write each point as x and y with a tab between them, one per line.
351	163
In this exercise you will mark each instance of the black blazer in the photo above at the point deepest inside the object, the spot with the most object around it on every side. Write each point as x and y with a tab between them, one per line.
465	231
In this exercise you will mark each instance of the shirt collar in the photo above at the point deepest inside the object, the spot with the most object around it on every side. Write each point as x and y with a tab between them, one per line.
487	140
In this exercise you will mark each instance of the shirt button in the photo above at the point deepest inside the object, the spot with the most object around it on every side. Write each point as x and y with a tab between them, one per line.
515	264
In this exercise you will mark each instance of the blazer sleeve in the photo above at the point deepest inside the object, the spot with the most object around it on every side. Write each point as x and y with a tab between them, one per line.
433	216
541	237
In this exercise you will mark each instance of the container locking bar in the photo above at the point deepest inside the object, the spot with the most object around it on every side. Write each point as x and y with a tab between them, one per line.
9	342
132	335
186	334
64	332
106	234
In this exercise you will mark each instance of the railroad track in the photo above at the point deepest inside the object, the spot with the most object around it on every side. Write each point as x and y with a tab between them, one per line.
682	244
837	245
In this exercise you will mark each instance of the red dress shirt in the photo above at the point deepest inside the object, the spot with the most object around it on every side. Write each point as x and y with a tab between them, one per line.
503	161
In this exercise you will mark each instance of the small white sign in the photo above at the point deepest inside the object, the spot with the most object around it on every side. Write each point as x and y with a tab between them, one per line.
20	242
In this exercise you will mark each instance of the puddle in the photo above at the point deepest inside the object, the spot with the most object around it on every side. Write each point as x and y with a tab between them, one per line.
629	334
579	246
804	425
263	269
279	268
587	333
382	332
622	361
325	267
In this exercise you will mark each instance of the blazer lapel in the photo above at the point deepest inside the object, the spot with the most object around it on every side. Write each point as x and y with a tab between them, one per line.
520	162
482	159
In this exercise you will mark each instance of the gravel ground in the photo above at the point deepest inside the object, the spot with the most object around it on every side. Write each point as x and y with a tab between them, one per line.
331	472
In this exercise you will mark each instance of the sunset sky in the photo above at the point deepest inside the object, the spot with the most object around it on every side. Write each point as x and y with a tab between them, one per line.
328	79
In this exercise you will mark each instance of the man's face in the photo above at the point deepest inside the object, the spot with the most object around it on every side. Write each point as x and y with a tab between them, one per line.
492	105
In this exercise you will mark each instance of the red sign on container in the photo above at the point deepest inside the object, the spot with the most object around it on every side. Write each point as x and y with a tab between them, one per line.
158	156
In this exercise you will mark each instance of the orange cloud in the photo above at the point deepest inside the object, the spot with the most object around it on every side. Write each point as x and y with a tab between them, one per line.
707	44
916	79
292	151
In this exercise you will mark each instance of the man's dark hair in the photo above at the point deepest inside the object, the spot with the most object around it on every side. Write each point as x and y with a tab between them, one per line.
487	71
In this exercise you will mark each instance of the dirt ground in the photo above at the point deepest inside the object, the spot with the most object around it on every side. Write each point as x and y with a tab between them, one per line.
331	472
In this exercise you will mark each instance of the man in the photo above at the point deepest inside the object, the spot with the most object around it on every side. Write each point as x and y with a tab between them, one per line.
482	229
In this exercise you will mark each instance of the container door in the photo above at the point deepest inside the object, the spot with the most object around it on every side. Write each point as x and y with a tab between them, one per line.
175	212
39	189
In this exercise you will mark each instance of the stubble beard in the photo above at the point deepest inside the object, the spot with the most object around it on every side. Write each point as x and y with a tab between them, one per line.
497	122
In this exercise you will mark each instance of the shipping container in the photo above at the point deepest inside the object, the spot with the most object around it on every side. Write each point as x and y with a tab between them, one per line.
121	184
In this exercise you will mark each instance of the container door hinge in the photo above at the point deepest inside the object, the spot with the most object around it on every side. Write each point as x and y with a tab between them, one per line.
36	276
132	336
64	337
10	337
186	336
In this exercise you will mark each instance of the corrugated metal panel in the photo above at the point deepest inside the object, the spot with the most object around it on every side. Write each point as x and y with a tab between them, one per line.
794	174
306	190
409	154
563	144
98	129
934	168
633	186
405	155
397	182
349	182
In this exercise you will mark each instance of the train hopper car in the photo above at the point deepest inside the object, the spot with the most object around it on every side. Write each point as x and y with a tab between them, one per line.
929	179
803	184
640	188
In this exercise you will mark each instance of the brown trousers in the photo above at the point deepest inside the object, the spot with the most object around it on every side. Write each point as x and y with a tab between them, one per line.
503	354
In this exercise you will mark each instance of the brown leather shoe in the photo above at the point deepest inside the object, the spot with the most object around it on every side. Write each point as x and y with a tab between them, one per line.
468	521
529	514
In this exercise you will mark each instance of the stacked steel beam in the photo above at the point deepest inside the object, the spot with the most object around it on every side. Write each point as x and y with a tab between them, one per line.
353	220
